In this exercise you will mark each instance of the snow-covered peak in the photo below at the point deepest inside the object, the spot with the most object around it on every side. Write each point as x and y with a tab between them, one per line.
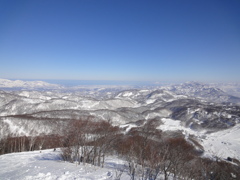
5	83
204	91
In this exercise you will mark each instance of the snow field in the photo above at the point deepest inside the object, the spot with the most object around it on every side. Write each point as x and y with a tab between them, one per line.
222	144
47	165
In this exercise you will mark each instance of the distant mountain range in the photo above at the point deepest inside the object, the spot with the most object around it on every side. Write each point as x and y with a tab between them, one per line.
5	83
196	110
208	92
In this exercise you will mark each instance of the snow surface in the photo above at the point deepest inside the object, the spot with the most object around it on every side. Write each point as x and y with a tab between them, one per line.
47	165
222	144
128	127
128	94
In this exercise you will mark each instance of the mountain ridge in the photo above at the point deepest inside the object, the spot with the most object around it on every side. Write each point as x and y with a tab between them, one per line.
189	109
5	83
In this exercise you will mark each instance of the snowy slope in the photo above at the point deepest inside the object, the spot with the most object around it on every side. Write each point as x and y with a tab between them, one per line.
48	166
225	143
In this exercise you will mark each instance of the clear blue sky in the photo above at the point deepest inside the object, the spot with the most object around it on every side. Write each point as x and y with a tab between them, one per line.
143	40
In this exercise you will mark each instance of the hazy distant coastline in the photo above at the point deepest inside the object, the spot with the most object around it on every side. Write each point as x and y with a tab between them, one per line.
70	83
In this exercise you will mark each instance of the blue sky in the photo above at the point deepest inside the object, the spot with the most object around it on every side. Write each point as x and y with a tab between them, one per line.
135	40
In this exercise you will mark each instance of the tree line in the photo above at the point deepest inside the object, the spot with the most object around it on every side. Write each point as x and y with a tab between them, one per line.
13	143
148	153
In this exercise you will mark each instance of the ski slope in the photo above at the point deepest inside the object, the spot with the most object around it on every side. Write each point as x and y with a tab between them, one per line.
47	165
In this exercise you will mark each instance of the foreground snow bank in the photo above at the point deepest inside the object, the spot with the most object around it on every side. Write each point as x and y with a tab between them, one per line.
48	166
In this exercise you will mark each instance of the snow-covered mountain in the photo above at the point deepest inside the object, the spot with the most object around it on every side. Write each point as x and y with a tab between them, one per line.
230	88
196	110
5	83
206	92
